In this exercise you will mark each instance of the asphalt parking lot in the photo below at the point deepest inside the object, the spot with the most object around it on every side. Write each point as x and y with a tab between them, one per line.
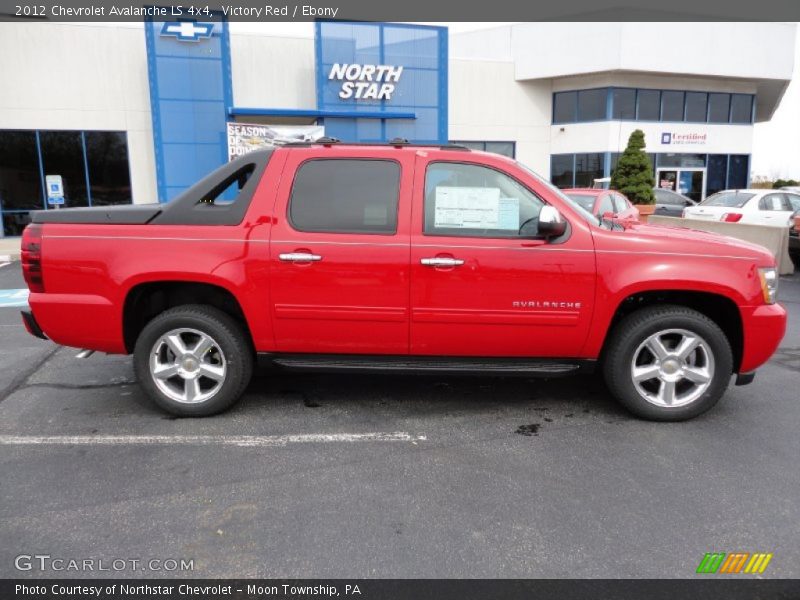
387	476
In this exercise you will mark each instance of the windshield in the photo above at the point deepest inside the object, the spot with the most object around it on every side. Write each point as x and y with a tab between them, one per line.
566	199
585	202
727	199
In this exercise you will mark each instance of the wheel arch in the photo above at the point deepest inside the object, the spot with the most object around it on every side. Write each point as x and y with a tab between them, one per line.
148	299
721	309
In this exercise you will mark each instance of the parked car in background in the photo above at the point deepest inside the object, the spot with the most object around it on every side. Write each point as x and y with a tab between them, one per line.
671	204
791	188
794	232
599	202
756	207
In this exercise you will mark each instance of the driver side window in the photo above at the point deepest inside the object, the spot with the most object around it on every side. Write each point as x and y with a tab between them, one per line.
469	200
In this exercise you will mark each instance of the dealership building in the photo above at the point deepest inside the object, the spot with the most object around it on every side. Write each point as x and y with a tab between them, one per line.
137	112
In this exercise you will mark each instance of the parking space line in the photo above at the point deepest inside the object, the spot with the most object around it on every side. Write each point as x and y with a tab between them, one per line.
207	440
13	298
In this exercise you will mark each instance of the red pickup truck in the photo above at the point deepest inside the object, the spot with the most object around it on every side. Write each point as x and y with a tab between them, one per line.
400	258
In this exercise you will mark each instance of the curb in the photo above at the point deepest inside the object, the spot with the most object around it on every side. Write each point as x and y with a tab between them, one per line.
4	258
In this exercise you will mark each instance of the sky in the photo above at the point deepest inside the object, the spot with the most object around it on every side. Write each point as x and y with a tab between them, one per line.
776	144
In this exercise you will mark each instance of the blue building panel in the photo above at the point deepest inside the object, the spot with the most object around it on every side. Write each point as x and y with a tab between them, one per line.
421	88
190	92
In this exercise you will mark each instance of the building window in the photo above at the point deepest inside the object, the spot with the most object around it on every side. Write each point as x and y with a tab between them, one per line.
346	196
62	154
717	173
592	104
20	180
562	170
508	149
93	166
648	105
565	107
671	105
696	107
652	105
737	171
623	104
668	159
588	167
719	106
741	108
107	160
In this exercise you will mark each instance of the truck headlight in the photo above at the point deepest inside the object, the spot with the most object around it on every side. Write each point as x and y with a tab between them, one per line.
769	284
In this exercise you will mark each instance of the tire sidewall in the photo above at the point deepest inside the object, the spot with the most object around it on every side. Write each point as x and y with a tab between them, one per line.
618	366
223	330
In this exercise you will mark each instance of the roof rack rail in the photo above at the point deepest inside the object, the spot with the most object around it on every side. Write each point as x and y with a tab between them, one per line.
397	142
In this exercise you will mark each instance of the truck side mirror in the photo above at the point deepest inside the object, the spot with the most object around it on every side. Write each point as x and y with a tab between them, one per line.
551	223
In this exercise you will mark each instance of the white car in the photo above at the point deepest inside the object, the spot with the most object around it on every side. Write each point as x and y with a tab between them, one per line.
756	207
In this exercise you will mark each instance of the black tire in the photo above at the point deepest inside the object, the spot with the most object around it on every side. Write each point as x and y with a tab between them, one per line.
634	330
230	339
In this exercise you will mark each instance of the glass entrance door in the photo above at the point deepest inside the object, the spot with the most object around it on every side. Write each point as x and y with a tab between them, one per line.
689	182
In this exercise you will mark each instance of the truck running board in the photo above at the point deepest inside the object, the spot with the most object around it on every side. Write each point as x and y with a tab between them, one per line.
428	364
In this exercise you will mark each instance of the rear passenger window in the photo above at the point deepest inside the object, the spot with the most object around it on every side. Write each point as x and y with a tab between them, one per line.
345	196
474	201
772	202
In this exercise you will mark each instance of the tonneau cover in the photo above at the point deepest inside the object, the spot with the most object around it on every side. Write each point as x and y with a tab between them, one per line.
129	214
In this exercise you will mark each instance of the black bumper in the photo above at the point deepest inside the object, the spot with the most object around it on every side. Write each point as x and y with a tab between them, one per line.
31	325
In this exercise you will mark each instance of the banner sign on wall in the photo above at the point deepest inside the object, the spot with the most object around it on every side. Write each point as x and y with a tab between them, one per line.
246	137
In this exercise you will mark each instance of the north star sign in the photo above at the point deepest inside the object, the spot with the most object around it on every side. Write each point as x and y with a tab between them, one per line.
366	82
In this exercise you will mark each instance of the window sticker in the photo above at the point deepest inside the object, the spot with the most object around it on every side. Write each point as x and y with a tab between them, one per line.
508	214
474	208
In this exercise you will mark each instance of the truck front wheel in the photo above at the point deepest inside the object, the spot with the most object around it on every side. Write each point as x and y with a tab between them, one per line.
193	360
668	363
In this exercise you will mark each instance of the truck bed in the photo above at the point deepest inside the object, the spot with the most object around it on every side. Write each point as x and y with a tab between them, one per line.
111	215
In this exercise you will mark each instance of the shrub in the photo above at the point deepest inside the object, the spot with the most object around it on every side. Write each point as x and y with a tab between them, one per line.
634	173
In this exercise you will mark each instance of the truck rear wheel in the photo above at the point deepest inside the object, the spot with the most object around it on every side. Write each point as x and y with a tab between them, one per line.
668	363
193	360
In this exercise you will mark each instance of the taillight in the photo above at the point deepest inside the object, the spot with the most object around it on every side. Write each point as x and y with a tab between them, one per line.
732	217
31	257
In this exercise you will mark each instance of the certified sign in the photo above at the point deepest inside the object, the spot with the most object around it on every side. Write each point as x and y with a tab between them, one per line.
55	189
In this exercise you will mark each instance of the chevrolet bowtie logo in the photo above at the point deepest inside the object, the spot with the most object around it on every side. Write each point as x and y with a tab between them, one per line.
188	31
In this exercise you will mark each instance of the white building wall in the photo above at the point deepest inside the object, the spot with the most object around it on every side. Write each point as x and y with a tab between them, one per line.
612	136
487	104
81	77
274	72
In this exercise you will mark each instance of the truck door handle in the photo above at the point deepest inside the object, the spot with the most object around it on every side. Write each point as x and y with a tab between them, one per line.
299	257
441	261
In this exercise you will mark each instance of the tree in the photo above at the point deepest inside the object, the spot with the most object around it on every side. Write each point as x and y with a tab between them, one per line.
634	173
779	183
